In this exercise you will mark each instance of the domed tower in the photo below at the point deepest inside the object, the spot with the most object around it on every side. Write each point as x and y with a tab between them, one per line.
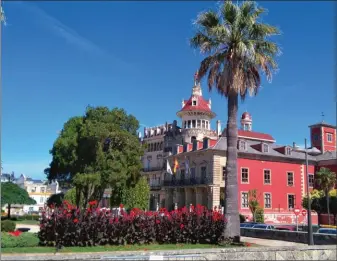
196	115
246	121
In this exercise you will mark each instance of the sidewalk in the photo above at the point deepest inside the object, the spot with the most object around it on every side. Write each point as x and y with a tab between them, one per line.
270	243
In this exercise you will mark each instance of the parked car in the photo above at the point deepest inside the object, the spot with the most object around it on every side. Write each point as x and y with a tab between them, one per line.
264	226
330	231
248	224
286	228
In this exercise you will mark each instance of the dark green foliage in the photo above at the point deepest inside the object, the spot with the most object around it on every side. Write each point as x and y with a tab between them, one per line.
242	218
8	225
259	215
55	200
26	239
13	194
103	144
139	196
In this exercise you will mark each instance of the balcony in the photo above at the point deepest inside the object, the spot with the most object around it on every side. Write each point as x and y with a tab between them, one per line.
152	169
155	186
187	182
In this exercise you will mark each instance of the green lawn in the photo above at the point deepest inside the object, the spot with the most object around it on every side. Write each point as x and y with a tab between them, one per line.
27	222
27	250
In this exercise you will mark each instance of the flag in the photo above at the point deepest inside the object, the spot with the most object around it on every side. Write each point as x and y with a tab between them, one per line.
176	166
187	166
168	168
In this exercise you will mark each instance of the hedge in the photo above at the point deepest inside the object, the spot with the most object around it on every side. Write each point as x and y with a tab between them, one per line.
17	239
8	226
68	226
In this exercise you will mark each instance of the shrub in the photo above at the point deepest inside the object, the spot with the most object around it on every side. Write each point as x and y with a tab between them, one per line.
8	226
242	218
30	217
259	215
68	226
17	239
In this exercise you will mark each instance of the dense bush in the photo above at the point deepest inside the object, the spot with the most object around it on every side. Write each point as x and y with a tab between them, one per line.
242	218
8	226
30	217
259	215
68	226
17	239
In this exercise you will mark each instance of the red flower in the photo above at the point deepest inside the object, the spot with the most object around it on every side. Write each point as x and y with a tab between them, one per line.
121	206
15	233
75	220
157	221
248	244
93	203
182	226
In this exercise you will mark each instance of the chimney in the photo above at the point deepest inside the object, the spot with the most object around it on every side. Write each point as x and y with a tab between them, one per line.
218	128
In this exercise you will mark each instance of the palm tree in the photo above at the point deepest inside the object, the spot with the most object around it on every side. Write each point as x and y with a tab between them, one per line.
326	180
238	49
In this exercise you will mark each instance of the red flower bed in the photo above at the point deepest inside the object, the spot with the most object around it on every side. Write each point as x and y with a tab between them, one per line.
68	226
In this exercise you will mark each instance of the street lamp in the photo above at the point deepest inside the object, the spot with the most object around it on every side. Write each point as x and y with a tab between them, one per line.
311	151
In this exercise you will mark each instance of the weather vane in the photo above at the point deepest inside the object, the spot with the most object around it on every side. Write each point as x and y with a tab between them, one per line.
322	116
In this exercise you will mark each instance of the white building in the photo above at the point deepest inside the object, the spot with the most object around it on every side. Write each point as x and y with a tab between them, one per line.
38	190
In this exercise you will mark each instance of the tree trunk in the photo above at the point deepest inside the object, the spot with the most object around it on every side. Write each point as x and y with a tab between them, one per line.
9	211
328	206
232	229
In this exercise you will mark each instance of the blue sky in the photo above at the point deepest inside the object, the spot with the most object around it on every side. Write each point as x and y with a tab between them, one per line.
58	57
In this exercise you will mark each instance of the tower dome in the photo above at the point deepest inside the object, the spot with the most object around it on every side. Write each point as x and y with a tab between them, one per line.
246	121
196	113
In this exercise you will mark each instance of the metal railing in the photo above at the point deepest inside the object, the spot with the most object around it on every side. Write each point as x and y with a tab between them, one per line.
187	182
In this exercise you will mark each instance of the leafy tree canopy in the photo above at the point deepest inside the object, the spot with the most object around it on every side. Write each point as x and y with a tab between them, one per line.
102	144
55	199
139	196
13	194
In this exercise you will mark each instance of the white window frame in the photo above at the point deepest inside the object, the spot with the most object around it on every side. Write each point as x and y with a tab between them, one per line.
270	200
264	145
264	179
245	182
244	206
290	194
242	145
288	151
329	137
313	180
293	175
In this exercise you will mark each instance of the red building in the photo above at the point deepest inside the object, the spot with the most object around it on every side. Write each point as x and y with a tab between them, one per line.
276	171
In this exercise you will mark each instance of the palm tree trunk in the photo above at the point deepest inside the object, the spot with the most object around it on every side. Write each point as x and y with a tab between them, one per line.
232	229
328	206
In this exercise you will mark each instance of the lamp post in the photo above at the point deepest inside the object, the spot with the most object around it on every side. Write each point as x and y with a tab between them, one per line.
307	151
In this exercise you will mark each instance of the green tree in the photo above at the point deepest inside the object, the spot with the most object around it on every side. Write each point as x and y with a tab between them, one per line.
102	143
139	196
259	215
238	49
253	202
318	202
70	196
55	199
13	194
326	179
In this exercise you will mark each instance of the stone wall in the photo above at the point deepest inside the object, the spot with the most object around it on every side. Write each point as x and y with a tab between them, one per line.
291	236
243	253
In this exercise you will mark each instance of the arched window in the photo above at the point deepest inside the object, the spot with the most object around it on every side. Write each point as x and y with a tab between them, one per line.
193	138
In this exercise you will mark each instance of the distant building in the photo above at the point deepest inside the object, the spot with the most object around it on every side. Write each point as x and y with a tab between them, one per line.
37	189
277	171
5	177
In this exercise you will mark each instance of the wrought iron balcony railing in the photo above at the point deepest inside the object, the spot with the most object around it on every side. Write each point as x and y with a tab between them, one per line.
187	182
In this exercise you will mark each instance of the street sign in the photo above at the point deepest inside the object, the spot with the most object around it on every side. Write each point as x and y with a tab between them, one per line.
297	211
304	212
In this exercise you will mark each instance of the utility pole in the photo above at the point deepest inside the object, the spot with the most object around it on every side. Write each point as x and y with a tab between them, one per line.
310	235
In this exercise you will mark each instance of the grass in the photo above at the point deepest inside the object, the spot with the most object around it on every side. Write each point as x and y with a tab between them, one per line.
27	250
